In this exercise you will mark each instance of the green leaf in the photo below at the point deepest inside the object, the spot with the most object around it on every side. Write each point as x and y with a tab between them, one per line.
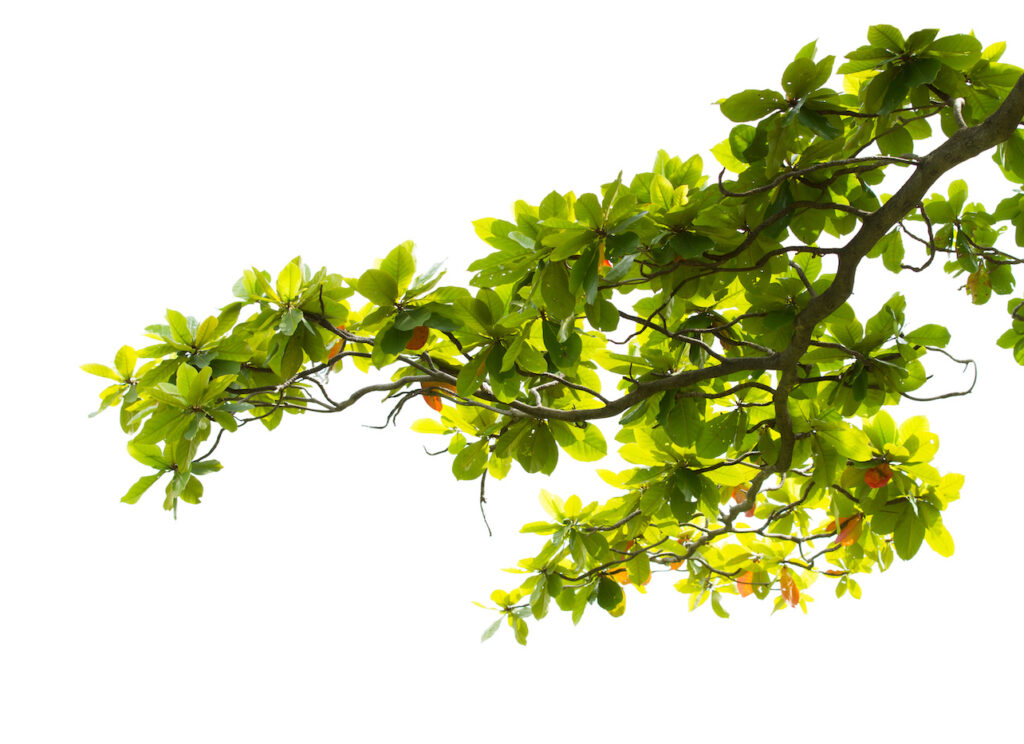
724	155
290	320
892	255
180	331
215	388
148	454
610	597
959	51
798	78
589	212
492	629
685	494
939	539
817	123
751	105
848	442
589	447
101	370
554	288
716	605
1009	156
930	334
207	331
472	374
428	426
603	315
520	629
140	487
682	420
715	434
537	450
691	245
887	37
881	430
565	355
289	281
125	360
192	492
554	205
908	535
190	387
206	466
164	424
920	39
551	504
539	600
539	528
378	287
471	461
401	265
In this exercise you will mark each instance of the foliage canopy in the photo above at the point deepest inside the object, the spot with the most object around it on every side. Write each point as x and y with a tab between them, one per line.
750	399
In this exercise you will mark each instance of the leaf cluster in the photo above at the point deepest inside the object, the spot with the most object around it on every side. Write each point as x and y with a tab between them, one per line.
708	316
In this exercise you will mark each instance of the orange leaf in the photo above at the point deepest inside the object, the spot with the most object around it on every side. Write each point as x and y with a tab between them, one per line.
434	401
621	576
790	591
420	334
745	583
835	572
675	566
878	476
851	530
739	495
339	345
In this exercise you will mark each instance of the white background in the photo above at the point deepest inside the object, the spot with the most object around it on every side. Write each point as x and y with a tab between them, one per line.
152	151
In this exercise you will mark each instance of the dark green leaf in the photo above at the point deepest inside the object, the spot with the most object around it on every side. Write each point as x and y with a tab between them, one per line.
610	596
908	535
559	301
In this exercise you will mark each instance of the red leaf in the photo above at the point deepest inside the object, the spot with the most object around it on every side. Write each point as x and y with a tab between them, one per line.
420	334
434	401
790	591
878	476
